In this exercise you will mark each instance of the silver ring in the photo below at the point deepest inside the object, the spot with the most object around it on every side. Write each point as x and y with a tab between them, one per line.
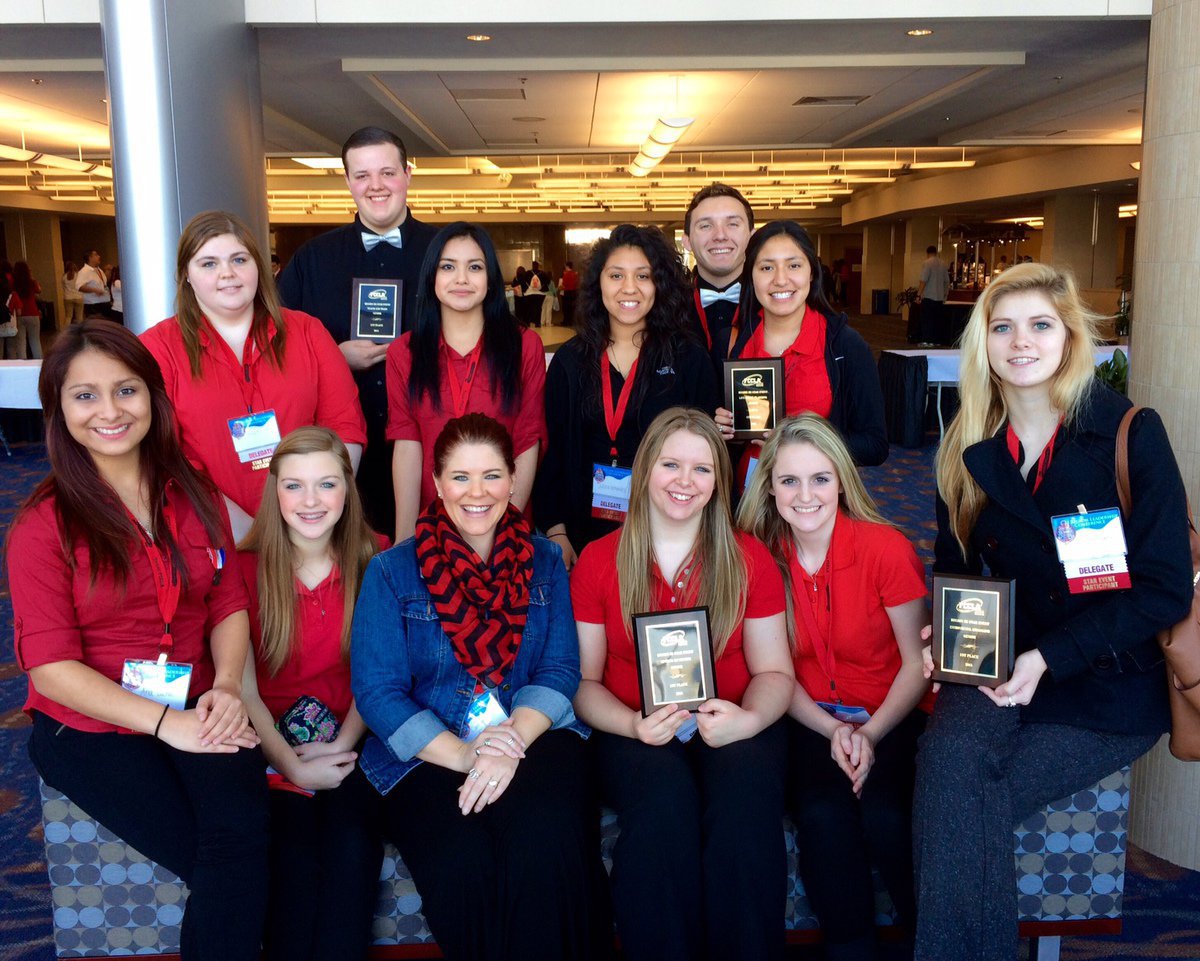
511	742
477	752
487	742
493	782
1011	702
473	774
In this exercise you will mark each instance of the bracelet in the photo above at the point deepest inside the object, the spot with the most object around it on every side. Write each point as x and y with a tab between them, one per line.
166	707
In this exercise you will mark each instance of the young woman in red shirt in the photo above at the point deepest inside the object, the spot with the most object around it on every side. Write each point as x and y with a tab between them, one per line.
699	869
133	631
465	354
304	559
856	606
242	371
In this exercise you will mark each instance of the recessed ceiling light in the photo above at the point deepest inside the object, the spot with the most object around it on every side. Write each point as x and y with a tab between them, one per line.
528	119
478	37
104	99
919	32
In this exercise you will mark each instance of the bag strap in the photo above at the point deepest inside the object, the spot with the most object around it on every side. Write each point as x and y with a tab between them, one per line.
1123	494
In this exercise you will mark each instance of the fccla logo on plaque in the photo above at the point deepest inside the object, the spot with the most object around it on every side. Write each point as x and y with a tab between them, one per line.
970	605
753	380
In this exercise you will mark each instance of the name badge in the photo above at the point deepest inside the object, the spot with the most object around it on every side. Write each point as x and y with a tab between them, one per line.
1091	547
846	713
254	436
610	491
485	711
161	681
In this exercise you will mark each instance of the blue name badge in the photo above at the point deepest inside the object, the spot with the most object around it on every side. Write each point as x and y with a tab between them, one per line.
846	713
255	436
485	711
610	491
161	681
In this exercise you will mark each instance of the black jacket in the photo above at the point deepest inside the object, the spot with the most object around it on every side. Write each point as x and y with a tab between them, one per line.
562	493
857	410
1105	666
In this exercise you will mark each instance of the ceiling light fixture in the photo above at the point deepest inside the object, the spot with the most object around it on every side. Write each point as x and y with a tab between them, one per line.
320	163
919	32
478	37
663	137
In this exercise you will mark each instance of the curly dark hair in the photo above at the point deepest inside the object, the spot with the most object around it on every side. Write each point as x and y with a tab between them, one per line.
665	324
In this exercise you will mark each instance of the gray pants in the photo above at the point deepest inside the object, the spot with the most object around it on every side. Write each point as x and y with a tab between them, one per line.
980	772
27	345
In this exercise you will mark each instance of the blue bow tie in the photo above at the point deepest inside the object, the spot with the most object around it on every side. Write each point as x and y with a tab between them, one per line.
732	293
371	241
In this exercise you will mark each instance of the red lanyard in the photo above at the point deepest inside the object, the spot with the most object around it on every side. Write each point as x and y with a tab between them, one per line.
613	418
461	389
167	585
703	315
822	641
1043	463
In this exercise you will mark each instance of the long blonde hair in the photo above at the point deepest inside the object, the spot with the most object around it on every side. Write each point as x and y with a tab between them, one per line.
758	514
983	409
200	230
352	545
723	578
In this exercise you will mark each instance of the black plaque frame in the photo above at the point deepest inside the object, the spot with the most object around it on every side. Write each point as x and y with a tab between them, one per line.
733	375
970	612
653	658
362	325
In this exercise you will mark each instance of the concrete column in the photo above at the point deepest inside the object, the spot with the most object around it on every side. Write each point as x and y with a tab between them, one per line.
1081	233
876	263
1164	345
35	238
185	110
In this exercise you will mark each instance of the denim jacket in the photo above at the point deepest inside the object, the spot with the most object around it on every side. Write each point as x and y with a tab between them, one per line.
407	683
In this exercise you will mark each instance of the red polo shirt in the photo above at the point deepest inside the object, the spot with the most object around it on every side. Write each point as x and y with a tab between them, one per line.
869	568
806	379
314	387
596	596
57	616
316	667
526	421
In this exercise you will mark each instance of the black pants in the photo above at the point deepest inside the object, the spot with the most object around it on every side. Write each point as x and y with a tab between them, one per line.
700	868
840	836
980	772
202	816
325	855
522	879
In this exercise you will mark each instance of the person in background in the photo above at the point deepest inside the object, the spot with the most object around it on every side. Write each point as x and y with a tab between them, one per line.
93	285
828	367
932	290
856	606
1030	454
276	267
716	227
241	371
384	242
630	360
23	305
464	353
117	310
172	769
303	561
464	660
699	797
569	292
72	298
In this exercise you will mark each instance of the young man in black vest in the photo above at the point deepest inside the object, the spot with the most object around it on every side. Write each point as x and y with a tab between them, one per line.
384	242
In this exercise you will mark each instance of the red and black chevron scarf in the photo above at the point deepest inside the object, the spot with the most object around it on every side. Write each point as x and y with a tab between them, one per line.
482	606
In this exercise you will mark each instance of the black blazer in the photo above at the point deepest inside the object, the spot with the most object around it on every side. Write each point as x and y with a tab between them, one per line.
857	410
1105	667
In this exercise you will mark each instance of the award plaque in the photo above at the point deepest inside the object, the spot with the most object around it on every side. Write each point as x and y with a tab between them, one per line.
375	309
674	659
972	630
754	392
